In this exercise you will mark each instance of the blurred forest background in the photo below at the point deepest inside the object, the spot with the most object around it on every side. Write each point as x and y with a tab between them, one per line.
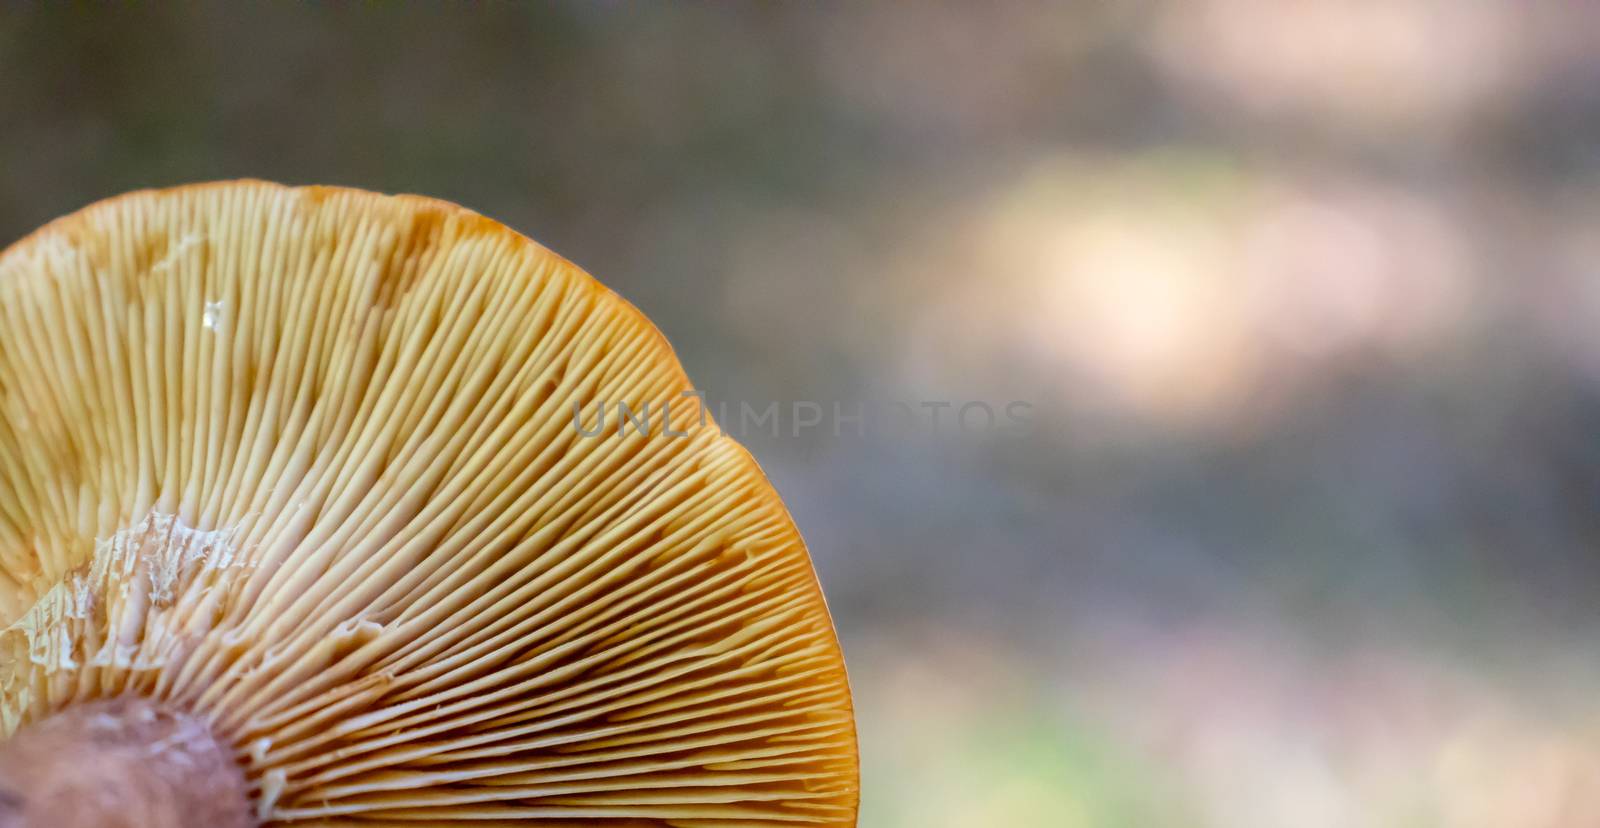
1306	296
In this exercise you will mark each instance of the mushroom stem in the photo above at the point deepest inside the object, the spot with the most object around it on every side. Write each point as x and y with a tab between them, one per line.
120	763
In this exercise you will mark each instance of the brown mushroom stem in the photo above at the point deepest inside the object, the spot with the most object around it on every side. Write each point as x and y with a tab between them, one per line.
120	763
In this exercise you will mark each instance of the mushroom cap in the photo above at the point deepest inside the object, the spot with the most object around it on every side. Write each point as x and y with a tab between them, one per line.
316	465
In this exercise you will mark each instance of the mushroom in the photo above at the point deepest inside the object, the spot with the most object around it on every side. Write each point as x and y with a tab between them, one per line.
307	515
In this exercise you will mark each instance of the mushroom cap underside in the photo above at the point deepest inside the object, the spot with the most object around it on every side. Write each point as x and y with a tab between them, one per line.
340	473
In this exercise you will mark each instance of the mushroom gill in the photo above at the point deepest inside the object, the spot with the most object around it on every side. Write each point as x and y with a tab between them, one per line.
323	471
